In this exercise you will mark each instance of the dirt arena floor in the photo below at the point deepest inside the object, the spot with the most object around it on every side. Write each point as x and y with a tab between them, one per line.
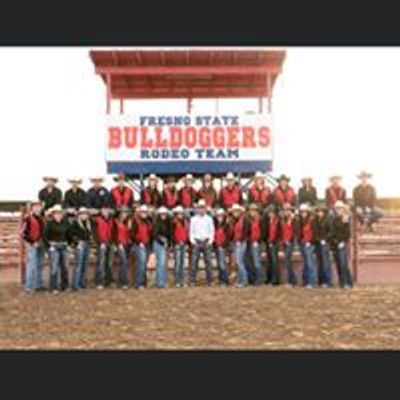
367	317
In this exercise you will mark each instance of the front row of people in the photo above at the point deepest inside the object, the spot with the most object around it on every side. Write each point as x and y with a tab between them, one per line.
246	236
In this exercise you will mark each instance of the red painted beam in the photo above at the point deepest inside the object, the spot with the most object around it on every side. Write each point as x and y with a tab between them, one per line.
188	91
189	70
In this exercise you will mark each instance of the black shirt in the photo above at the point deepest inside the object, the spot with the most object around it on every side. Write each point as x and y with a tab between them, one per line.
81	231
98	197
307	195
50	198
75	199
57	231
364	196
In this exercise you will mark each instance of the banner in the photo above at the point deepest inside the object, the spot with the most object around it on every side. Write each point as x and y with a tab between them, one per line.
174	144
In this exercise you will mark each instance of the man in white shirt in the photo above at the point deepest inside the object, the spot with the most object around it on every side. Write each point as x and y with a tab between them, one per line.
201	238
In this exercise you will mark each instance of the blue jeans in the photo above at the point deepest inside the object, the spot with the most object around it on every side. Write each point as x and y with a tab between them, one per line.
141	254
240	251
199	249
309	273
58	263
179	258
123	255
255	253
344	273
104	261
80	266
272	271
161	264
288	252
221	263
370	217
34	267
324	264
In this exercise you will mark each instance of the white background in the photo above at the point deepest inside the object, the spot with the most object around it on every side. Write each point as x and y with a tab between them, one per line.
336	110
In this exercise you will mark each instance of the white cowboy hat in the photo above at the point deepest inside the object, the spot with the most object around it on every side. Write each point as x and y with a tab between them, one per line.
162	210
83	210
153	177
230	176
189	177
56	209
36	201
364	174
258	175
340	204
237	207
220	211
96	178
75	179
304	207
332	177
143	208
178	209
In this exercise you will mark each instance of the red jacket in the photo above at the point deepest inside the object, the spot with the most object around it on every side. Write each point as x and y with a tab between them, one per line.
121	233
288	230
333	194
281	197
170	198
306	233
229	197
32	229
209	196
103	229
180	231
238	230
272	233
142	231
221	234
254	229
261	197
122	197
187	197
151	197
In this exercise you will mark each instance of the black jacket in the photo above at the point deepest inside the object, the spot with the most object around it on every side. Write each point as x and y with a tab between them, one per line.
50	199
364	196
57	232
99	197
321	229
75	199
81	232
307	195
162	231
340	231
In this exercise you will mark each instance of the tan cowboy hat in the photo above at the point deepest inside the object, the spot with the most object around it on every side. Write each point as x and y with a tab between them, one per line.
75	180
50	178
178	210
83	210
304	207
230	176
331	178
237	207
364	174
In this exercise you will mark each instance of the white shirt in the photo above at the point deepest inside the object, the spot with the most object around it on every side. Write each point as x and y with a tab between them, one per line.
201	228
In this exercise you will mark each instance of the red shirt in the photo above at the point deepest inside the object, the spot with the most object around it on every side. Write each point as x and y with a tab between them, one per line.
258	196
273	229
255	230
220	234
187	196
122	197
180	231
103	229
229	197
287	196
209	195
143	231
170	198
237	228
335	193
122	234
288	230
306	231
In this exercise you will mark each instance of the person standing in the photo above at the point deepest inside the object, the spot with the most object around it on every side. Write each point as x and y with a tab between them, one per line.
141	236
103	225
57	237
201	237
221	243
238	237
333	193
340	240
75	197
170	194
50	195
271	236
364	197
305	239
161	243
231	193
180	240
283	193
150	195
81	235
207	192
121	194
322	240
289	229
32	233
98	196
307	193
187	194
259	193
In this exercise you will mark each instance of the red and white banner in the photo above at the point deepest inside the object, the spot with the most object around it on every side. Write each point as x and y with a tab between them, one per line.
166	142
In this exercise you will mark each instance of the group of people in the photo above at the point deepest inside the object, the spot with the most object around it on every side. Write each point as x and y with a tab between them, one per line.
244	230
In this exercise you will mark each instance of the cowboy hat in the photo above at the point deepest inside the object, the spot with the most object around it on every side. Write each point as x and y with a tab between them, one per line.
83	210
56	209
258	175
321	206
331	178
178	209
162	210
75	180
237	207
50	178
306	178
253	206
36	201
340	204
188	177
201	204
143	208
153	177
364	174
120	177
124	209
283	177
304	207
220	211
230	176
96	178
287	206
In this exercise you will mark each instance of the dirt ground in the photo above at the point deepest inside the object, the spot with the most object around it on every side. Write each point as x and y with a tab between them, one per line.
367	317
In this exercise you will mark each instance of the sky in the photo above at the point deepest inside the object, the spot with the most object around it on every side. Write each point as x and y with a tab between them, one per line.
335	111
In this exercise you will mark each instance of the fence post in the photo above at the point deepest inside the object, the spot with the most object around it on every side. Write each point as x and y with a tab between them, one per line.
354	257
